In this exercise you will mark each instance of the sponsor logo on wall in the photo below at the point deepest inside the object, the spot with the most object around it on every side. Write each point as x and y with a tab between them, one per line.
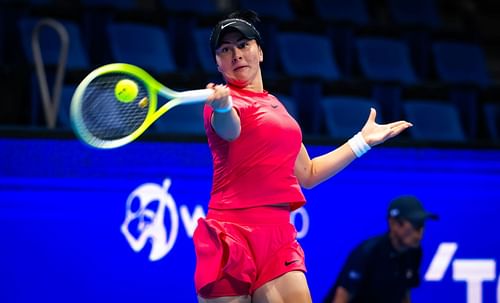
474	272
152	216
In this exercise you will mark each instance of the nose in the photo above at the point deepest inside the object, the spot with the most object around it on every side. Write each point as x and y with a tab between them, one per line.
236	54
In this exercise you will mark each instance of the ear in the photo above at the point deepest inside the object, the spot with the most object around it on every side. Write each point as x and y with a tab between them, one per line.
261	54
219	68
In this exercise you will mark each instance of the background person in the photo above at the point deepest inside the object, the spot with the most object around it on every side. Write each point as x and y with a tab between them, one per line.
384	268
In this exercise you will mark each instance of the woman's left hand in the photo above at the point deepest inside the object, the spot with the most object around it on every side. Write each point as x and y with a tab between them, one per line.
375	134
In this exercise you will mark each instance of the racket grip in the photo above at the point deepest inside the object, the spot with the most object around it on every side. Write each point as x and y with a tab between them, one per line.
194	96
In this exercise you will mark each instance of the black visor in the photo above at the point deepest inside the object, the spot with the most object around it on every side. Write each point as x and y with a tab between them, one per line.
240	25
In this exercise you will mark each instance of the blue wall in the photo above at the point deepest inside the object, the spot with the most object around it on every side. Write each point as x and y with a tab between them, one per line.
62	207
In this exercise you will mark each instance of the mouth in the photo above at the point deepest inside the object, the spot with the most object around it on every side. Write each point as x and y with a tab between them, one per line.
238	68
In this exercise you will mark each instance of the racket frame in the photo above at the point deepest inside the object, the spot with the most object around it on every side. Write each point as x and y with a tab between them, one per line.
153	88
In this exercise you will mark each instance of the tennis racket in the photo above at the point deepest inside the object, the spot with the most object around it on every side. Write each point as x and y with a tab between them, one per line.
116	103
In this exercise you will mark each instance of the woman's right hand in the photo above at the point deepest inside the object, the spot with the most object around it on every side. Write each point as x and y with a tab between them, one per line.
225	121
220	99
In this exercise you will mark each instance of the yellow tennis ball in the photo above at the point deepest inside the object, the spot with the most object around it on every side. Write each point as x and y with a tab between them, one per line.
126	90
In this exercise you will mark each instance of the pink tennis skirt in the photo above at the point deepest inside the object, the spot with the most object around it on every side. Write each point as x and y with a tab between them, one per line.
238	251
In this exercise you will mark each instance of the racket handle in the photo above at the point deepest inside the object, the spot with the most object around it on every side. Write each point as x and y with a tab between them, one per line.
195	96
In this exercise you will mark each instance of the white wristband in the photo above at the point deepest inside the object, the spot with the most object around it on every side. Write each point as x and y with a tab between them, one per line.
358	145
226	109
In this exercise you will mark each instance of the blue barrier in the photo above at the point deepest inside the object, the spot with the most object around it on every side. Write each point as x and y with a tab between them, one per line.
70	215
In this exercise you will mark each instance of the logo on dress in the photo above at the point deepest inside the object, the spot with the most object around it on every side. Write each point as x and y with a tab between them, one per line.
288	263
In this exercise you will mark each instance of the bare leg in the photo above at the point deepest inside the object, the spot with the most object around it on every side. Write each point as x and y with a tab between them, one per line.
289	288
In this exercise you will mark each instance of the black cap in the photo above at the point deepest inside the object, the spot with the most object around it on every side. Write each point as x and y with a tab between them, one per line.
410	209
244	27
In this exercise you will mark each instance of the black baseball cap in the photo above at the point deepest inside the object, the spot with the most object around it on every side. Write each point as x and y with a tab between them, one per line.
410	208
244	27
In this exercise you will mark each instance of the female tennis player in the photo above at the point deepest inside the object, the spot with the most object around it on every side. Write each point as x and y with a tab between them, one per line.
245	247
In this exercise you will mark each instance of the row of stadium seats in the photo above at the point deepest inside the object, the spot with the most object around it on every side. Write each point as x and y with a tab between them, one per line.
383	61
301	54
435	121
402	12
303	66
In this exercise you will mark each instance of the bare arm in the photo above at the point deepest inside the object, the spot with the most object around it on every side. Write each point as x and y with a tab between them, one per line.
311	172
227	124
341	295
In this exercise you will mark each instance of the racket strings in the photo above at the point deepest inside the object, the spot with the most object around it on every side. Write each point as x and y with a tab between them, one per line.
108	118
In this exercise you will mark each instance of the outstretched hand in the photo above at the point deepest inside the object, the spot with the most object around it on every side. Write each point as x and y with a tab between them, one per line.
375	134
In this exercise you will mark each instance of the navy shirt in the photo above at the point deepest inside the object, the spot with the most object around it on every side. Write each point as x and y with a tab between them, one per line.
374	272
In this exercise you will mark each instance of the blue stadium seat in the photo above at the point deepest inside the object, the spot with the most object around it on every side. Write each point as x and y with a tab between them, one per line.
346	115
150	51
276	9
182	120
418	18
384	59
434	121
460	63
204	54
462	66
343	19
492	115
50	44
352	11
421	13
306	55
308	60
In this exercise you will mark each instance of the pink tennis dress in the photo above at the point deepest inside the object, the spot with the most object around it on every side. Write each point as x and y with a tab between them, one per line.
246	240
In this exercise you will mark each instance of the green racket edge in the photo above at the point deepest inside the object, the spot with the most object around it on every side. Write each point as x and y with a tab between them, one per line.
151	86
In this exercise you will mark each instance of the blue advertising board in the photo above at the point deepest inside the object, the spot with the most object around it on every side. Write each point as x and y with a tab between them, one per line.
85	225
